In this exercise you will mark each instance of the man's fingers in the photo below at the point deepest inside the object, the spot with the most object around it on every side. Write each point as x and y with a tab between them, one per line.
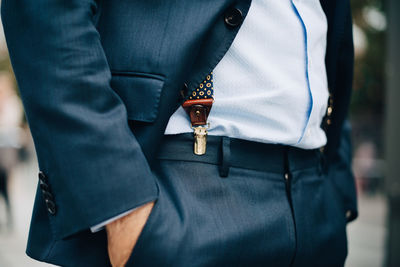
123	234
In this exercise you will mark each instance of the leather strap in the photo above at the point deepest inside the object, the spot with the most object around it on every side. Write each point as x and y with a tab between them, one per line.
198	110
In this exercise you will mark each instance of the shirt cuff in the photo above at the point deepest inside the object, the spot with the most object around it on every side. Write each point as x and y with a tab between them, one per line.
101	225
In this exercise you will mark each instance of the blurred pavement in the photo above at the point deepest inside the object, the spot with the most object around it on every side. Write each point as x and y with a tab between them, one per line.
367	234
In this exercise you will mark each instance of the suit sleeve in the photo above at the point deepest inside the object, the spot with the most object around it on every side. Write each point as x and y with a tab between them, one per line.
341	173
340	170
94	164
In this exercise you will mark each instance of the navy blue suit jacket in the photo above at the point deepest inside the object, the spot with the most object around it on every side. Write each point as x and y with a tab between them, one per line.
99	80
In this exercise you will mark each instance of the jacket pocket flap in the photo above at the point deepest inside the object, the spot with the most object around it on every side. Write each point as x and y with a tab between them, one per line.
140	94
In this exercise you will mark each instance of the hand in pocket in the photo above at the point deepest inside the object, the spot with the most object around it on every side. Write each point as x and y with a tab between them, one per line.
123	234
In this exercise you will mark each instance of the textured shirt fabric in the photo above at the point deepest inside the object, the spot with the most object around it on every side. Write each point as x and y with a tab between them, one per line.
271	86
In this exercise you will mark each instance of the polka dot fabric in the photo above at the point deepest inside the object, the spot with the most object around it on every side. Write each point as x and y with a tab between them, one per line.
204	90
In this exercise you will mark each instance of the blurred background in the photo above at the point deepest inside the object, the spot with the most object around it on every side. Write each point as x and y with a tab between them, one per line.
370	236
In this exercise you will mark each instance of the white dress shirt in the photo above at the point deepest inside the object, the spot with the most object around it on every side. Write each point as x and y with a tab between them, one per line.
271	86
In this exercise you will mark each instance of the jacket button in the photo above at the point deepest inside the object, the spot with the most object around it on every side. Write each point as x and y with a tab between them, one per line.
51	206
349	214
233	17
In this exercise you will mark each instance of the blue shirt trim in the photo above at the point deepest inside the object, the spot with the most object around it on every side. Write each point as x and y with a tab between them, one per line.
311	103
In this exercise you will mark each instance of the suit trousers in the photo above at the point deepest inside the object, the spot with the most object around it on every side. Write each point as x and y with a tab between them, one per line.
241	204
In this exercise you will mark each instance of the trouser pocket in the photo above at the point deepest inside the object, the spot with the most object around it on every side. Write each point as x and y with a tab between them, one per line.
320	220
146	233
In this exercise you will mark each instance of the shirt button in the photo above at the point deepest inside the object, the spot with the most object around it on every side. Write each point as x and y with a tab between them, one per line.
233	17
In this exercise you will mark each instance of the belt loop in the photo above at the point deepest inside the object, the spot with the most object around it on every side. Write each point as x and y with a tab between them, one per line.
286	167
225	156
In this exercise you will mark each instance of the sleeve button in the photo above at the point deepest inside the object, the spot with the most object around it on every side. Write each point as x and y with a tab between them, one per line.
47	195
44	186
51	206
42	177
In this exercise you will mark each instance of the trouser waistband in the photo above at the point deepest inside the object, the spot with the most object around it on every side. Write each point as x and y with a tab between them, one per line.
231	152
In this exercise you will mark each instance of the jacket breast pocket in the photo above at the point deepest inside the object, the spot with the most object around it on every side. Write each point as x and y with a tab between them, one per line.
140	92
